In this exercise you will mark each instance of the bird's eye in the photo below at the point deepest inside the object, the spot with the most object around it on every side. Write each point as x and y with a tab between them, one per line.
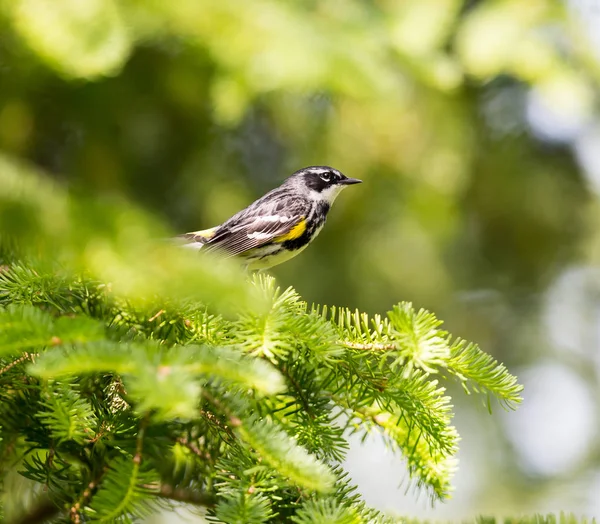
326	177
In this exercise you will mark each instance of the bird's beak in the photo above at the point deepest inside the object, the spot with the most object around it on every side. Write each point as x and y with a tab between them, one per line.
349	181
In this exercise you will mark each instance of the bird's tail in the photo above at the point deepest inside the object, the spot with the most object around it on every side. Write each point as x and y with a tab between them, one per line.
196	239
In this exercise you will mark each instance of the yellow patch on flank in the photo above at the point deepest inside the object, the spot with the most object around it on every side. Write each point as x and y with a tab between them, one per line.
296	232
204	233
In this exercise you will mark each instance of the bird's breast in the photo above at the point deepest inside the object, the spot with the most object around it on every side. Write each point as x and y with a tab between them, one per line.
313	225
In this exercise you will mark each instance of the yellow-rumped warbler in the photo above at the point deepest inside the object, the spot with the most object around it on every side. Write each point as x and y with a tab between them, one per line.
279	225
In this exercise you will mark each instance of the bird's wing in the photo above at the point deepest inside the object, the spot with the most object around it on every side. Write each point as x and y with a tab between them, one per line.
199	236
270	221
196	239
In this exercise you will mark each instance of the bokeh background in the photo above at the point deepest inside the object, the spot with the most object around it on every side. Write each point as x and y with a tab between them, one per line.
475	126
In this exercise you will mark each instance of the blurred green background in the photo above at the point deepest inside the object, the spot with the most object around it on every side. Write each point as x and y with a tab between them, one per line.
474	124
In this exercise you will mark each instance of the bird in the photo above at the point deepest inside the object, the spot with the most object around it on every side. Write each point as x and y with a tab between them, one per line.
279	225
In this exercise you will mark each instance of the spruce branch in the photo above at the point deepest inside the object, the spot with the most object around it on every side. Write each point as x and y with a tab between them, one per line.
429	449
27	327
213	419
326	511
233	419
285	456
191	446
188	496
45	510
67	415
420	343
75	510
307	413
23	358
156	315
259	406
161	379
246	508
411	340
122	489
282	324
483	373
367	347
299	391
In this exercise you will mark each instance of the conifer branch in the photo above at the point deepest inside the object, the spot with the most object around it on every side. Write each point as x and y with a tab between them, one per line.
285	456
368	347
75	510
16	362
213	419
188	496
483	373
234	421
300	394
44	511
260	398
191	446
156	315
139	441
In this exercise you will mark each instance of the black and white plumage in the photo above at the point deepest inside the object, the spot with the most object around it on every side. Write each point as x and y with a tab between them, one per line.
279	225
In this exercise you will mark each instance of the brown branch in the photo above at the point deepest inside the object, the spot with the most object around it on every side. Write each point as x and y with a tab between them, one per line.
189	496
213	419
367	347
44	511
139	443
298	390
23	358
158	314
234	421
74	512
193	448
101	432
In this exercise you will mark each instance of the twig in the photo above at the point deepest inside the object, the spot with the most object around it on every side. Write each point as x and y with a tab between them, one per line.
101	431
211	417
298	389
367	347
43	512
74	512
191	446
158	314
139	443
23	358
234	421
189	496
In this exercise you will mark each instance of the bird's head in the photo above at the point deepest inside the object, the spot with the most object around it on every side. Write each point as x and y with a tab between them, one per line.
321	182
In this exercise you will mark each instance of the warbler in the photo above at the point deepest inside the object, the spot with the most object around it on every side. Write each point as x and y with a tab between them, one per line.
278	226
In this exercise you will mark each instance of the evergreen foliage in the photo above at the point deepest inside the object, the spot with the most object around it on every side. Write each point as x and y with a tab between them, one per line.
133	375
236	396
